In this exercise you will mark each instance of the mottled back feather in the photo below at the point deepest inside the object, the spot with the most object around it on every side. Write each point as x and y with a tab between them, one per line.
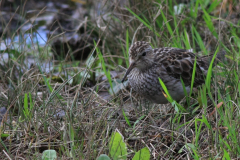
179	63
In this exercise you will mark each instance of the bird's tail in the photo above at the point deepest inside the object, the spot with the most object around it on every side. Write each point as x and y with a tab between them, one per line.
206	60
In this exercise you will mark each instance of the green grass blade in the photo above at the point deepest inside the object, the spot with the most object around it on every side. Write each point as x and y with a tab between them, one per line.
209	73
138	120
169	98
30	99
193	75
185	91
167	23
226	155
213	5
167	95
140	19
126	118
186	40
209	23
107	72
199	40
144	22
26	110
195	10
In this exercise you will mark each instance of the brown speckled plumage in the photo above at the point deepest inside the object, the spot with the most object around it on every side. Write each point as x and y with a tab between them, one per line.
169	64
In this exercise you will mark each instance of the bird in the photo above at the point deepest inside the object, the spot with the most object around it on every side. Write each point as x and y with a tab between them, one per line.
147	65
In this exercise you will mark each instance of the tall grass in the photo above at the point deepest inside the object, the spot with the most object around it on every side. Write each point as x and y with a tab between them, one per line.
77	119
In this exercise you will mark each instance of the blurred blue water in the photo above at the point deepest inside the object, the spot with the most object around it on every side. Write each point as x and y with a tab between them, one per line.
39	37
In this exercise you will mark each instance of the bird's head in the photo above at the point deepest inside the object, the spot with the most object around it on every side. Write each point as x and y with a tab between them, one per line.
140	56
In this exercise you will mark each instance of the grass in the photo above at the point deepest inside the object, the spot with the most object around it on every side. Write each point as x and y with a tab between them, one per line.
204	125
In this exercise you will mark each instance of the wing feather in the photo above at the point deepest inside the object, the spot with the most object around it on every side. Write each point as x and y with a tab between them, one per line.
179	64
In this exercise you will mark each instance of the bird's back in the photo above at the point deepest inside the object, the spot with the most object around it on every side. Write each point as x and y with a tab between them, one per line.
179	63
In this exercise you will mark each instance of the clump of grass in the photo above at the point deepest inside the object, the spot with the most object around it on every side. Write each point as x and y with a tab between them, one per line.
77	120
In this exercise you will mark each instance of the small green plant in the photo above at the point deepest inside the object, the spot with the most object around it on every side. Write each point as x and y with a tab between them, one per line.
118	150
142	154
49	155
103	157
117	147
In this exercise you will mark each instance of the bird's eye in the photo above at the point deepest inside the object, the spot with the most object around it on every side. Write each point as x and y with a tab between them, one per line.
144	54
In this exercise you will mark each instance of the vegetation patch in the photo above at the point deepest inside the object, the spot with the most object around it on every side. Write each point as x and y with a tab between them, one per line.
61	95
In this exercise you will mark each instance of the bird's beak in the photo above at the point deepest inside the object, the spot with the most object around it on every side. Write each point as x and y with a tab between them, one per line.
132	65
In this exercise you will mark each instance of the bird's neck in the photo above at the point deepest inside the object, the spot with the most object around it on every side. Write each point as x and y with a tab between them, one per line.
144	69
